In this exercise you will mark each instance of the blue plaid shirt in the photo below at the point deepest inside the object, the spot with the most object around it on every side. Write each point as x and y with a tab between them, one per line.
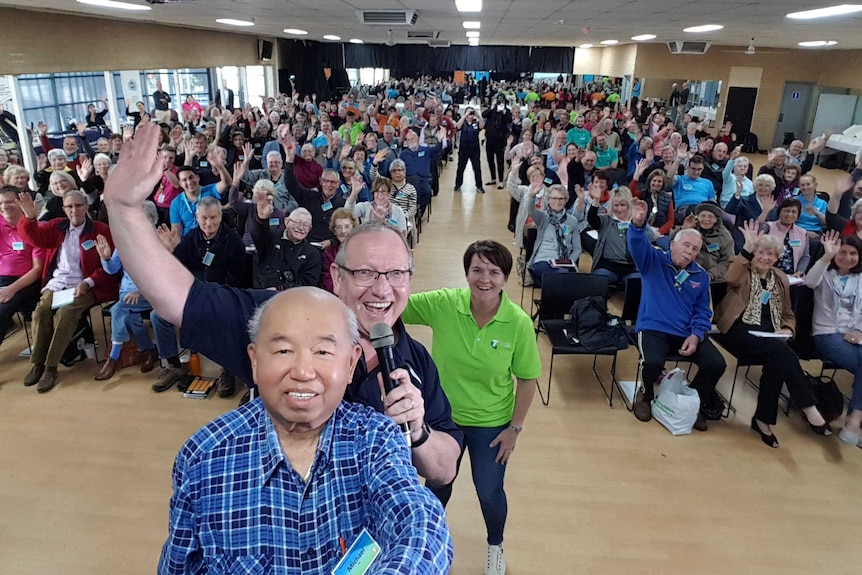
239	507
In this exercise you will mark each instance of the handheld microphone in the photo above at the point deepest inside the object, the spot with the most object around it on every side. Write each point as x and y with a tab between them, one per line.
383	341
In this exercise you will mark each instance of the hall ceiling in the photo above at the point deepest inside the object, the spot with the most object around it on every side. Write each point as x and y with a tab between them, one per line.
503	22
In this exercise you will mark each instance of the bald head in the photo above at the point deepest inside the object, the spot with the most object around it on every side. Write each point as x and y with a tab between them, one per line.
309	297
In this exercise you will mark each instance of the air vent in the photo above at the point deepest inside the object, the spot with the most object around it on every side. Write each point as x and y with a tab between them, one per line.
422	34
683	47
439	43
388	17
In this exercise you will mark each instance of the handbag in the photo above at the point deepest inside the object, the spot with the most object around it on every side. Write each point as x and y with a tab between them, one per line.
676	404
830	400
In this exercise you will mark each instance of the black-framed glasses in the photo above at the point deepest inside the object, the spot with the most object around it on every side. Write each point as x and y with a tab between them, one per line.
367	278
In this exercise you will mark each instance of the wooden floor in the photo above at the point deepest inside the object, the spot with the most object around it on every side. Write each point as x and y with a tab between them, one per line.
85	470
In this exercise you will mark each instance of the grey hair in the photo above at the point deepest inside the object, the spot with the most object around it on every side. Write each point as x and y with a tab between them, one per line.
62	176
207	202
262	124
765	179
78	194
560	189
375	226
300	212
857	207
263	185
306	147
388	128
399	163
273	154
255	319
687	232
779	150
56	152
100	157
769	243
152	213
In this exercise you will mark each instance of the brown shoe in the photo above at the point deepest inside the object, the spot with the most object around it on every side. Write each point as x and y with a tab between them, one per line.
48	381
108	370
35	374
642	408
151	360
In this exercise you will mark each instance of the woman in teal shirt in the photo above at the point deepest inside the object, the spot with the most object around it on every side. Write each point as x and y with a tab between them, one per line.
481	341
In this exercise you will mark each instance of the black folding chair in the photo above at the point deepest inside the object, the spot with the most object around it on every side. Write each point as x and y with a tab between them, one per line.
559	292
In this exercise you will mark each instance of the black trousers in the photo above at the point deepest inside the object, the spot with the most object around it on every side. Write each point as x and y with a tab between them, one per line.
780	367
475	158
495	151
656	346
24	300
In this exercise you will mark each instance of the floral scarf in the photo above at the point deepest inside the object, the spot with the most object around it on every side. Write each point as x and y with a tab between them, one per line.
751	315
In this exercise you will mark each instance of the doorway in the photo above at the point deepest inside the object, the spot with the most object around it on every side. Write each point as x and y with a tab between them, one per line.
794	115
740	109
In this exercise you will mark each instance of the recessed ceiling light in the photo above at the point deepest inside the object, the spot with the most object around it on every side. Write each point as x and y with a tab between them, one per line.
468	5
818	43
585	46
472	24
331	37
114	4
609	42
704	28
233	22
355	41
826	12
295	31
643	37
473	34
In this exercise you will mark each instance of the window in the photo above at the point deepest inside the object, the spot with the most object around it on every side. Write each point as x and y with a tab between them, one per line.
195	82
59	100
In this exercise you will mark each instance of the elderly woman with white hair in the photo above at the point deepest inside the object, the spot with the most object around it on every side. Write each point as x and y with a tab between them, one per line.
758	206
59	184
403	193
306	168
735	178
56	162
758	302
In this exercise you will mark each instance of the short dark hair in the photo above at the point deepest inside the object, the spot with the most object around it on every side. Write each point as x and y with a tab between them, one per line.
851	241
9	190
182	169
495	252
602	175
695	160
791	203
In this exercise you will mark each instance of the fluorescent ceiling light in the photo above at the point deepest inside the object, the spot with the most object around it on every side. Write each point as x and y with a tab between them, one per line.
826	12
585	46
609	42
331	37
643	37
704	28
114	4
355	41
295	31
472	25
818	43
473	34
468	5
232	22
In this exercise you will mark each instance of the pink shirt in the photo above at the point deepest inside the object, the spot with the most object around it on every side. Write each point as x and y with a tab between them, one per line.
16	255
166	192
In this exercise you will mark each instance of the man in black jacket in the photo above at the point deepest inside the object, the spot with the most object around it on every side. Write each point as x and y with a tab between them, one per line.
285	261
498	119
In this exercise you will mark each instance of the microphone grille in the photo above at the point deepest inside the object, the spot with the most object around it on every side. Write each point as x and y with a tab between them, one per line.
381	335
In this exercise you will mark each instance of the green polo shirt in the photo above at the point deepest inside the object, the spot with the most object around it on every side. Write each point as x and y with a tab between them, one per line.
477	365
605	158
356	129
579	136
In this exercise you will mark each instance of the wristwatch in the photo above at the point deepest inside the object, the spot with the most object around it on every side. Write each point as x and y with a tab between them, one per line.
426	433
516	428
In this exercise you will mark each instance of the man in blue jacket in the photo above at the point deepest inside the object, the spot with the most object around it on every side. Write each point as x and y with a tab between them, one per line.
674	313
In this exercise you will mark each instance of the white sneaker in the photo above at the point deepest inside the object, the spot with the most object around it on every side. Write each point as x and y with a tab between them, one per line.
496	564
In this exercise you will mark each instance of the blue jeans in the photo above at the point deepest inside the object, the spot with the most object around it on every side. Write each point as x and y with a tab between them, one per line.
541	268
614	277
487	477
126	318
845	355
166	337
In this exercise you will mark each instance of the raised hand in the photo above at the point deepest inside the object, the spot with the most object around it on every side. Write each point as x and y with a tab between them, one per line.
27	205
42	162
103	248
84	168
43	129
690	222
579	192
380	155
750	231
594	191
345	150
128	132
81	126
239	170
831	242
642	167
682	152
170	238
265	209
735	152
768	204
138	170
639	212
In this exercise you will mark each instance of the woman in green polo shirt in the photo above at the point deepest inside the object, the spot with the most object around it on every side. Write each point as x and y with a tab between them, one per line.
482	344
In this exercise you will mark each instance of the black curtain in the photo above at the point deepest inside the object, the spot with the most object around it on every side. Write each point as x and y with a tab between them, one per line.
513	59
306	60
550	59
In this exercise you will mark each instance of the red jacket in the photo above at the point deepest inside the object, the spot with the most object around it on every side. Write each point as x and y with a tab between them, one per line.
50	235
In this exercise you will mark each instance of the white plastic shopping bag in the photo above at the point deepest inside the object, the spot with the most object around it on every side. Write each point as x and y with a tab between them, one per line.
676	404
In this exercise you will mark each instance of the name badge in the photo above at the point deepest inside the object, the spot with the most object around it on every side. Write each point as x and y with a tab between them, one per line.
681	277
345	189
18	246
687	187
400	195
88	245
795	243
326	207
257	145
421	154
712	248
716	167
208	258
764	297
622	226
204	164
241	158
358	558
393	221
161	198
548	181
273	222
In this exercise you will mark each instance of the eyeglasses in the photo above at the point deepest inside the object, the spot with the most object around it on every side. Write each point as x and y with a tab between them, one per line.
555	199
325	181
396	169
345	228
74	206
300	225
367	278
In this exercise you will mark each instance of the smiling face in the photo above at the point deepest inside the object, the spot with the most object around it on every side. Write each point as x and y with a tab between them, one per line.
788	216
9	207
706	220
740	168
209	220
485	279
297	227
846	259
75	209
621	209
303	358
807	185
380	251
764	259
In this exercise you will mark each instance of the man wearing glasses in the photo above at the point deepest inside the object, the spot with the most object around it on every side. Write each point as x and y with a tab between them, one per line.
73	269
371	275
287	260
690	189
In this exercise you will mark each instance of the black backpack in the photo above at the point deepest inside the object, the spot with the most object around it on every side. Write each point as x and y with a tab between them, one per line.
749	143
593	328
830	400
82	337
